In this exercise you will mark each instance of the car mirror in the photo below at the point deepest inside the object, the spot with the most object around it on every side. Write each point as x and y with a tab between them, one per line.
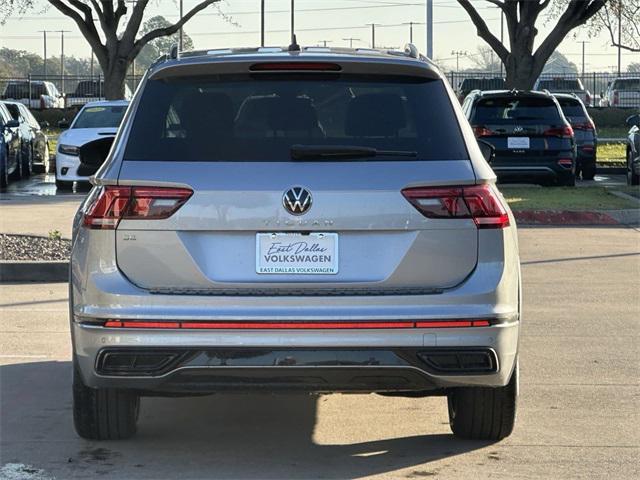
63	124
634	121
93	155
44	124
12	124
488	150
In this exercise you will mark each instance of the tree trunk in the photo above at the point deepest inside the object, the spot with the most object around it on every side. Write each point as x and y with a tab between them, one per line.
114	79
522	71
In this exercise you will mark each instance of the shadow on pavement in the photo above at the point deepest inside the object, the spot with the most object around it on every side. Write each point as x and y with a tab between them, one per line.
228	436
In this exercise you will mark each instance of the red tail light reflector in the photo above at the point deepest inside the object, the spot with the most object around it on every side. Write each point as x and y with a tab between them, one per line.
296	325
482	131
563	132
112	204
565	162
295	66
479	202
584	126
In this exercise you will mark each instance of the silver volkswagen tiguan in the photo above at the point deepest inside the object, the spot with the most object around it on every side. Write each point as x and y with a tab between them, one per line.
276	220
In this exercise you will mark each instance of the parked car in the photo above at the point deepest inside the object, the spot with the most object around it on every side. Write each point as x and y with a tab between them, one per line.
10	166
584	130
95	120
295	221
623	93
90	91
35	144
633	150
469	84
565	85
533	141
36	94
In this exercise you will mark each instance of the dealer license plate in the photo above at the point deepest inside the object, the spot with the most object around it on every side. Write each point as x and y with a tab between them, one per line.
297	254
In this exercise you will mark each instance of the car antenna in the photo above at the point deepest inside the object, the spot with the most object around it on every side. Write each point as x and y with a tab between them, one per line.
294	47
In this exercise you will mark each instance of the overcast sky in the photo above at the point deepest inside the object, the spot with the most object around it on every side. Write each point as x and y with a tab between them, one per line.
330	20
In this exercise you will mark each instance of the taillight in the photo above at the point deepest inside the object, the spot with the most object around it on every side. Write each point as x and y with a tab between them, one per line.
113	204
616	97
588	125
479	202
563	132
565	162
482	131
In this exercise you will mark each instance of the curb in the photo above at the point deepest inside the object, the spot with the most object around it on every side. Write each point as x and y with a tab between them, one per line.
34	271
563	217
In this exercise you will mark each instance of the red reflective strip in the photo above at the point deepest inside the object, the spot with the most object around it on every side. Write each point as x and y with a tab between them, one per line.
444	324
294	325
151	324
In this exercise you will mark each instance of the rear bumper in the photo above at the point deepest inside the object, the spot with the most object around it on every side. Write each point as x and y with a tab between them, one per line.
542	173
384	360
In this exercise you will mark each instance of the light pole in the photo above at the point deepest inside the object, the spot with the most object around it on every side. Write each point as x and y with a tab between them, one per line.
181	41
62	32
351	40
324	42
501	39
373	34
458	53
44	34
262	23
583	42
293	30
430	29
411	24
619	38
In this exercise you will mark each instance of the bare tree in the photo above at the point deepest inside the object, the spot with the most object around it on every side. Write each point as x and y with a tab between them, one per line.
522	64
621	19
115	49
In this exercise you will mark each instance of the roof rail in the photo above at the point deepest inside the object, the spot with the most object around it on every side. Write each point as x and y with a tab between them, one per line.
174	53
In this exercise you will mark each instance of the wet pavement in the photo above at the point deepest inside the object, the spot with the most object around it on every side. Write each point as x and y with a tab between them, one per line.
44	184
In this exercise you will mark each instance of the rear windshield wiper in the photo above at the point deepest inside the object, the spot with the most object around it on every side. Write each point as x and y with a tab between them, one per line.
320	152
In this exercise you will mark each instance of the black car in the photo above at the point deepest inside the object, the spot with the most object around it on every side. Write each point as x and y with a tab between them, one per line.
533	141
34	149
584	131
633	150
10	161
470	84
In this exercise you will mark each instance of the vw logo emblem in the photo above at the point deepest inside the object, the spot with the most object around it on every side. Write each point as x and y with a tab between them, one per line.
297	200
518	129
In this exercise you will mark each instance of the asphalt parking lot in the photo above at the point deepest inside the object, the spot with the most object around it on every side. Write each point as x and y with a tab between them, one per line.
578	412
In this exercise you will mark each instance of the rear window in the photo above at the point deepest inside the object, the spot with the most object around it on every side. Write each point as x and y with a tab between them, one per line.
571	108
469	84
560	84
260	117
627	84
19	91
509	109
109	116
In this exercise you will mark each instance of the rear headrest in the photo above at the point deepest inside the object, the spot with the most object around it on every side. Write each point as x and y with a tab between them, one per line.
206	111
375	115
293	114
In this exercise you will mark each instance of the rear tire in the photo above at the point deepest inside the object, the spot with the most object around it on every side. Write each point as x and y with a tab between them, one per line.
632	178
589	170
567	181
484	413
27	165
62	185
103	413
4	176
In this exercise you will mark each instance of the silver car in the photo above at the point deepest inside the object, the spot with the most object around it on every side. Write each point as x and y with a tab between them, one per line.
295	219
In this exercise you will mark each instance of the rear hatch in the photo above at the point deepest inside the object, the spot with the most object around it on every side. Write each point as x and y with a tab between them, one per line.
626	92
583	127
332	221
525	130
